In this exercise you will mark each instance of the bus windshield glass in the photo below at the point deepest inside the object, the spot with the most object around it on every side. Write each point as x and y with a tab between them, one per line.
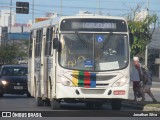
94	52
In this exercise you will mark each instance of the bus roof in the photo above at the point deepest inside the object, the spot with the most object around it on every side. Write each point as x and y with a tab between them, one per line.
49	22
94	16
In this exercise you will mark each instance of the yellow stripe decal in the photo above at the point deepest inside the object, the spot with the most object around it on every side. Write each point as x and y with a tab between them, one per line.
74	79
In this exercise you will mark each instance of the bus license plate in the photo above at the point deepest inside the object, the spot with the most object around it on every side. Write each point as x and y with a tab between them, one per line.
18	87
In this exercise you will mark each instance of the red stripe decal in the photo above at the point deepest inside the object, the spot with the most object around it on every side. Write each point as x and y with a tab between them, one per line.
87	79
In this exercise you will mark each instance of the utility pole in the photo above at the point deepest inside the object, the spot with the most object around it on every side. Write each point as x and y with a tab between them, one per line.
146	50
10	20
61	7
148	6
33	12
99	7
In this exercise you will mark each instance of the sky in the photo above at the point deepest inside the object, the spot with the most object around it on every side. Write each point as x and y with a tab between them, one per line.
72	7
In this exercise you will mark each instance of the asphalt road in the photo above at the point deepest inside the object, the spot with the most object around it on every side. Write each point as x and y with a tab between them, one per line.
22	103
155	89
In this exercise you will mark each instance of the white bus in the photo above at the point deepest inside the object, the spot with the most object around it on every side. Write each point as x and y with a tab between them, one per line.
79	59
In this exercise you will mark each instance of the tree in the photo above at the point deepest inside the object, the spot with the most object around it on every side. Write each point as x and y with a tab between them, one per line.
142	34
10	53
141	31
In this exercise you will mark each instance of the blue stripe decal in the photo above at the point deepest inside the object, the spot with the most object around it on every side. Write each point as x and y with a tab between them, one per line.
93	80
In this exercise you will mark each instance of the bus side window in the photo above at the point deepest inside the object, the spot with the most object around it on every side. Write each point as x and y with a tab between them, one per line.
39	36
30	44
40	42
47	40
48	46
36	44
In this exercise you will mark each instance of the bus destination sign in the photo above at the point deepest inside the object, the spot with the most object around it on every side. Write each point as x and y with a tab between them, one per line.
97	25
93	25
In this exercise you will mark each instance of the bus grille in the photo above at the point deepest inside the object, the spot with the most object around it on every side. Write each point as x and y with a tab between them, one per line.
91	91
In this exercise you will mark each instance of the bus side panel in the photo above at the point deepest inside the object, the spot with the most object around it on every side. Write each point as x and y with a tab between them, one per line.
31	84
42	66
29	76
55	62
37	77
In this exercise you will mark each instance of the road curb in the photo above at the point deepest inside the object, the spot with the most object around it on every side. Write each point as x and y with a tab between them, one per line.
151	108
139	105
132	104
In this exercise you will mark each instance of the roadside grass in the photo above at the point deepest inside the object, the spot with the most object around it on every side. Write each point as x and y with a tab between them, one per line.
153	105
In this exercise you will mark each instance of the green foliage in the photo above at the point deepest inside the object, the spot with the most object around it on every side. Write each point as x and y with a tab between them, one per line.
142	34
10	53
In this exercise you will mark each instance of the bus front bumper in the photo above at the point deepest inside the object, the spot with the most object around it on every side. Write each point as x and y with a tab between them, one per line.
63	92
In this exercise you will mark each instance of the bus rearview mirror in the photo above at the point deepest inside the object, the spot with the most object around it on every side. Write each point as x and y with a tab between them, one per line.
55	43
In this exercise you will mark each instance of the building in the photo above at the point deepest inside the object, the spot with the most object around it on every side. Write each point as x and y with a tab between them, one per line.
154	51
3	35
18	33
140	16
10	30
5	19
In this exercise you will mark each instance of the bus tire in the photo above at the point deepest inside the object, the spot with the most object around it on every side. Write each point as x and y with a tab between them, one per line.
29	95
48	103
39	101
1	94
55	104
116	104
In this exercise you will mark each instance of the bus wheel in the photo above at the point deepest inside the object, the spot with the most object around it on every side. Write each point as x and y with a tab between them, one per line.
116	104
55	104
1	94
47	102
28	95
39	101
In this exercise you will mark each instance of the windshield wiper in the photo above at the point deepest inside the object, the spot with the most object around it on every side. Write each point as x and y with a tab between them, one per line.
106	40
82	41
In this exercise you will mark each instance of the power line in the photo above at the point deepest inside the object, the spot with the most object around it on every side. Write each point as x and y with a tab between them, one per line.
78	7
44	8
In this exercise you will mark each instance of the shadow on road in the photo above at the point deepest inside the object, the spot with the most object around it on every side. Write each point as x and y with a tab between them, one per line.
80	106
13	96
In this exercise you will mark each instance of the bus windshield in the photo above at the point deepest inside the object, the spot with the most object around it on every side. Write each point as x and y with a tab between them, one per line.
94	52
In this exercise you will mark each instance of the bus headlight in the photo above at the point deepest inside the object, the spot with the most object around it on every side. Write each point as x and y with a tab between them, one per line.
65	81
120	82
4	82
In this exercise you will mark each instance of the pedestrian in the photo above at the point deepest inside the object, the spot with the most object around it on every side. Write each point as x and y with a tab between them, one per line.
136	75
147	83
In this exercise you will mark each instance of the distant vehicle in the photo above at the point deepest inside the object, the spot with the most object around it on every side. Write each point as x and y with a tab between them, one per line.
13	80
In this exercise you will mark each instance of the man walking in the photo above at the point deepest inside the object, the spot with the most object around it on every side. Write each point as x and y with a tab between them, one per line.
136	75
147	83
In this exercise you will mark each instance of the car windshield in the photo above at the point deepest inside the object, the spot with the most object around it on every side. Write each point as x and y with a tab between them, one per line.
94	52
14	71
